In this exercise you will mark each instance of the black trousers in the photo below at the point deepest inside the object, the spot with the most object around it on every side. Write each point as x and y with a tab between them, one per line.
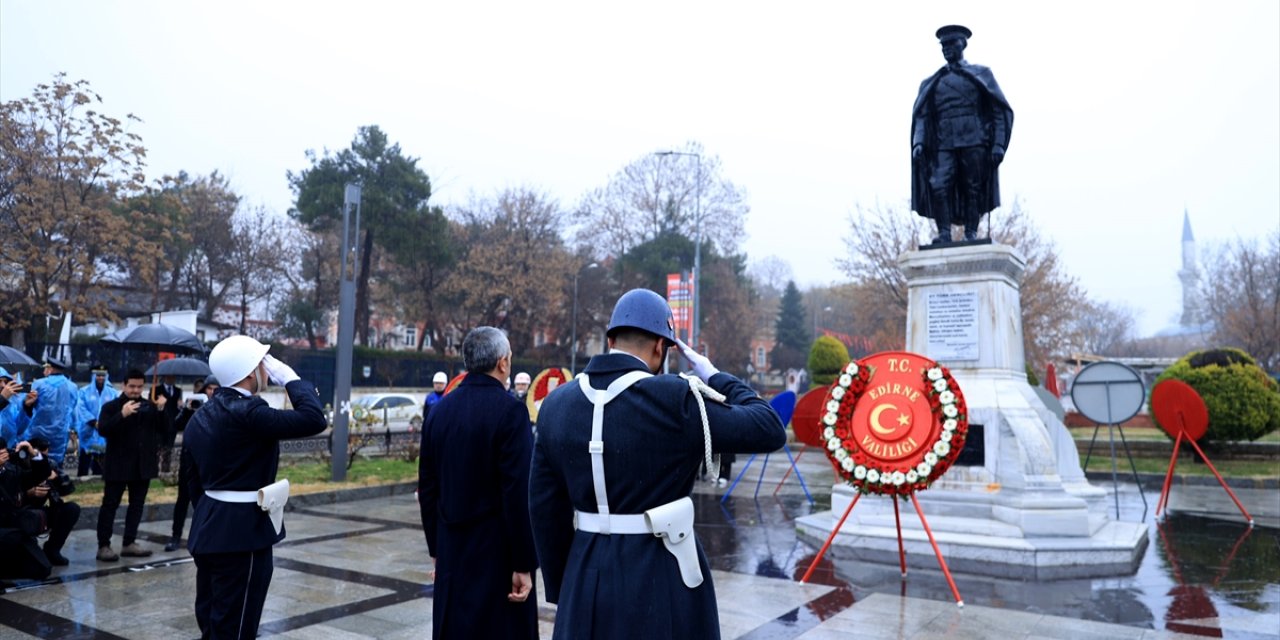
87	464
966	171
111	495
184	495
62	519
230	591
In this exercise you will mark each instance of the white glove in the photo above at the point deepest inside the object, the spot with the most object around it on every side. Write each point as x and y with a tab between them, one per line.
702	367
278	372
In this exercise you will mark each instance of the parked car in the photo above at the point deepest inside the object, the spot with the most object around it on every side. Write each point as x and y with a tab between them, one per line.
393	407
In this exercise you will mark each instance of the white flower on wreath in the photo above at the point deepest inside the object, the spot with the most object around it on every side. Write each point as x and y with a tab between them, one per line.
931	458
945	436
924	469
941	448
828	433
833	444
837	393
859	471
886	478
873	476
846	380
950	424
829	419
950	411
851	369
841	454
899	478
934	373
939	385
847	464
833	406
946	397
913	476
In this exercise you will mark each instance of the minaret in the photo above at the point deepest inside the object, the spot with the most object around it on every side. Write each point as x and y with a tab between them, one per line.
1189	274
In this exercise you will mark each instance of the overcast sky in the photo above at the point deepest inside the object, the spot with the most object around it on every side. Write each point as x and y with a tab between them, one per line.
1127	113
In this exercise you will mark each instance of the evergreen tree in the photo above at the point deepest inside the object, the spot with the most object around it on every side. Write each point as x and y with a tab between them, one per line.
791	346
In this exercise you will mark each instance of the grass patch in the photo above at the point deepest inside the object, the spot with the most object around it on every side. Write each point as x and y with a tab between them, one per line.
1145	433
304	477
1186	466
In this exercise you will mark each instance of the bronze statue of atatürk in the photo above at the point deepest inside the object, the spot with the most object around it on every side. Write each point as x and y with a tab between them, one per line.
960	128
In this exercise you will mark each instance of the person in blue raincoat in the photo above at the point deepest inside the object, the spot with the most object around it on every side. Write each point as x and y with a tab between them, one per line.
10	406
51	407
91	398
617	548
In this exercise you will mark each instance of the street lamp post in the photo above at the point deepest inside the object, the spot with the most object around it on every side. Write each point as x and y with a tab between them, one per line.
573	340
697	243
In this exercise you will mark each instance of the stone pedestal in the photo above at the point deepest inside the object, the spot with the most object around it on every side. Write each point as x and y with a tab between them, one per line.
1026	510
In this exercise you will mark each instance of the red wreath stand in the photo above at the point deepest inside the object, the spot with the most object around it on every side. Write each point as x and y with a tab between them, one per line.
1181	412
892	424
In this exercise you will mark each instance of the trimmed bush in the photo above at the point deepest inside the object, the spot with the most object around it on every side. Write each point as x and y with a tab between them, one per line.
827	357
1243	401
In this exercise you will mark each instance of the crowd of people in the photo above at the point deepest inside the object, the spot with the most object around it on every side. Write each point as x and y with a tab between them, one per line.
598	498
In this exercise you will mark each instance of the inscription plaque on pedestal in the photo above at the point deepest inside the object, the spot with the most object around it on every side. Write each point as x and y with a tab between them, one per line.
952	325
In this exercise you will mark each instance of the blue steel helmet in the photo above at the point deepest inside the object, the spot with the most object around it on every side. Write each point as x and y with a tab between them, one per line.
645	310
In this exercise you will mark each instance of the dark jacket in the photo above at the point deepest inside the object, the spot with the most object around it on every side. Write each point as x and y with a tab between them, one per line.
628	585
132	442
233	444
473	487
172	409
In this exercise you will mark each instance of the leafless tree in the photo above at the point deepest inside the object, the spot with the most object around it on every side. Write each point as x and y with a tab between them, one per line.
1241	294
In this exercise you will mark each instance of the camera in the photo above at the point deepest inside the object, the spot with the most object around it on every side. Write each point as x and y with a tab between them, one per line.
26	388
194	403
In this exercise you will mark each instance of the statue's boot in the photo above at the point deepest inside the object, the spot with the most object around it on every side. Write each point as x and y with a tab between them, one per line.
971	218
942	217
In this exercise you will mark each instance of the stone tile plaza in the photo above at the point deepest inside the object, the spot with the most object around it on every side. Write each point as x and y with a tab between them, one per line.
359	569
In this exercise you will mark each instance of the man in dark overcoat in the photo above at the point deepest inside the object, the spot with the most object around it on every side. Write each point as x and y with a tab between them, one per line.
133	427
232	445
960	129
473	488
602	561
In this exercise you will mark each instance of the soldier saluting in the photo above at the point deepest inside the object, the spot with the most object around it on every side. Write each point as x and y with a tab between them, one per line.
615	460
960	129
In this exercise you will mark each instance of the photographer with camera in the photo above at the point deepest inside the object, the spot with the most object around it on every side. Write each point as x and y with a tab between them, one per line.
31	505
133	427
92	397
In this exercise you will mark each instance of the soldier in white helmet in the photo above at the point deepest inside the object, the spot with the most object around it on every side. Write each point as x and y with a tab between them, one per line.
233	444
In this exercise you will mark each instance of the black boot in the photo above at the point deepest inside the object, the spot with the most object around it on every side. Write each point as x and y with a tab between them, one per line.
174	543
941	217
970	232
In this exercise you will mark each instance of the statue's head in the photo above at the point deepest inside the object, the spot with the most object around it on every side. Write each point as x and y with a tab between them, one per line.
954	39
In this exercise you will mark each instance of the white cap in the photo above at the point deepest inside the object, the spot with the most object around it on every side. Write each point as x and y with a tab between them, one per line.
440	377
522	378
236	357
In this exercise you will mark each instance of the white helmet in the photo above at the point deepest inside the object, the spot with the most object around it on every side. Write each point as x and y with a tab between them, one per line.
522	378
440	377
233	359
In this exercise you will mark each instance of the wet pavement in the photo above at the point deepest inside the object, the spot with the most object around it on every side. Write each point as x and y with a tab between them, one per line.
360	570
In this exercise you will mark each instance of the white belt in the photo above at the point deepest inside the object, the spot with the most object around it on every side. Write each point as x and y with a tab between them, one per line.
270	498
232	496
609	524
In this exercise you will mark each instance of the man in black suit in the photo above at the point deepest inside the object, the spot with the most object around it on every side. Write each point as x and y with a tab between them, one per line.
233	445
473	487
133	427
172	409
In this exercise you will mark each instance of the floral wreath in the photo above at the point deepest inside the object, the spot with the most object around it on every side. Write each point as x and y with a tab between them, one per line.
857	468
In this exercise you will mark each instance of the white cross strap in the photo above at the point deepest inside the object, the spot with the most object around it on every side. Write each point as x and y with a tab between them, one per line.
595	446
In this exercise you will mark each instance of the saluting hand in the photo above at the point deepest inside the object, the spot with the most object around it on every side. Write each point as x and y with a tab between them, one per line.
702	366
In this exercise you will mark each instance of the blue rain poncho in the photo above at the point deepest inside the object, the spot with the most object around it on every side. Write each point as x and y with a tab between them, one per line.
54	413
11	417
87	408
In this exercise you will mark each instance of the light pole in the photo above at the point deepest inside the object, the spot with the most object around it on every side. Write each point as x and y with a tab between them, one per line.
697	243
573	340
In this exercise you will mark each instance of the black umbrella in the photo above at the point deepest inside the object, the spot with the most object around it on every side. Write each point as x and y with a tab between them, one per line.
156	337
181	367
10	357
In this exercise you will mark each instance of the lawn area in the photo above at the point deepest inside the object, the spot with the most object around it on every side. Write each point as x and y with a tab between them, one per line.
1146	433
304	477
1228	468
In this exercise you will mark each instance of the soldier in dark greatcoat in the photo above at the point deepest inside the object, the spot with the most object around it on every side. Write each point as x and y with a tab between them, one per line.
473	488
617	454
960	129
232	445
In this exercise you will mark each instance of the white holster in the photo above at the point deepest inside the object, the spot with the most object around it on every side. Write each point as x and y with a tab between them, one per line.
673	522
272	499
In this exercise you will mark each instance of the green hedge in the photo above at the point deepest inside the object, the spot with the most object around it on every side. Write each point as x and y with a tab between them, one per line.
1243	401
827	357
